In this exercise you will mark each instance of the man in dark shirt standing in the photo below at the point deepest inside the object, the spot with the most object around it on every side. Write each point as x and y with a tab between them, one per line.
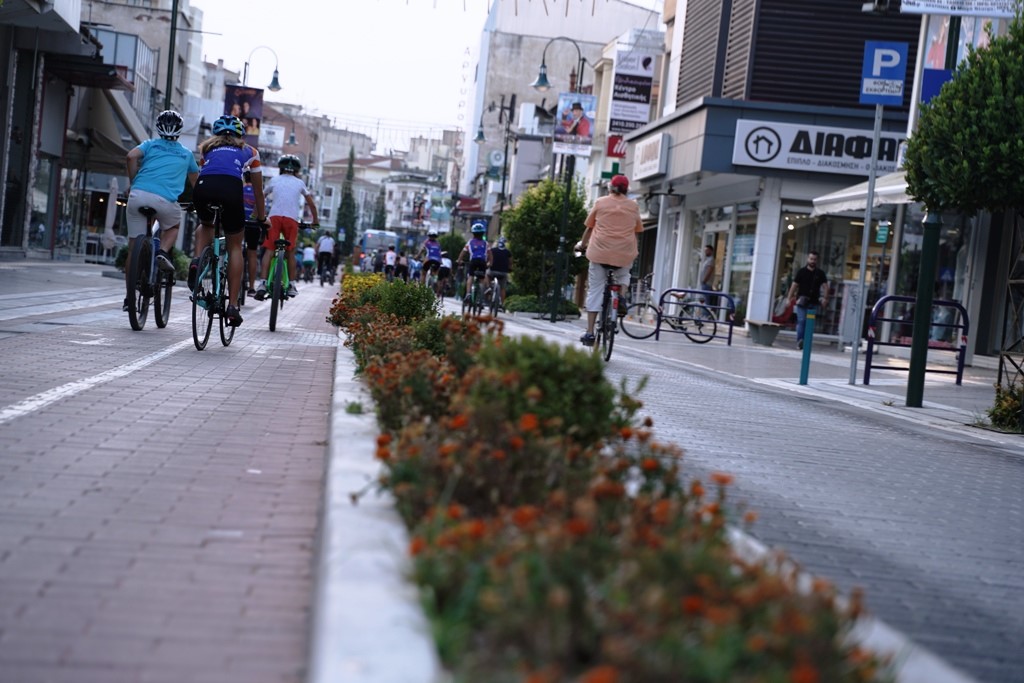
809	291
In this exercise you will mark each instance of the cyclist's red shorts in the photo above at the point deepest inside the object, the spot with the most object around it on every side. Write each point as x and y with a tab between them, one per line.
286	227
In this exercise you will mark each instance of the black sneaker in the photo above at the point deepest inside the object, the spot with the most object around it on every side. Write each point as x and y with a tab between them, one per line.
193	273
252	292
261	291
588	339
799	343
163	261
233	316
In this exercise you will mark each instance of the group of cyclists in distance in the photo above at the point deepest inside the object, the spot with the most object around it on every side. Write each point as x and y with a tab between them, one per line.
229	176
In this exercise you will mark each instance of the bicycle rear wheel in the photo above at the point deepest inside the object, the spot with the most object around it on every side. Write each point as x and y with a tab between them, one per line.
604	330
640	321
138	283
227	332
698	323
276	291
162	299
203	300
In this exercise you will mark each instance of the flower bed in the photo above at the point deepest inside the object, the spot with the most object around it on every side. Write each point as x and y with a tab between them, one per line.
554	538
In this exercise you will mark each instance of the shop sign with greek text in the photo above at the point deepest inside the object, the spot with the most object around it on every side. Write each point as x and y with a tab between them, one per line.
969	8
816	149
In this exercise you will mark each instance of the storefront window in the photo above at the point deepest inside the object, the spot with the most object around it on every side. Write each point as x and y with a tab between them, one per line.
741	260
41	219
951	272
838	243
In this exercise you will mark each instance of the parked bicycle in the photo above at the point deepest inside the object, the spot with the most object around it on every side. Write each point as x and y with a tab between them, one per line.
146	280
693	317
210	295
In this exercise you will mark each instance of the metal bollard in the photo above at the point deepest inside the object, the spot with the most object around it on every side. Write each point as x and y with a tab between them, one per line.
805	361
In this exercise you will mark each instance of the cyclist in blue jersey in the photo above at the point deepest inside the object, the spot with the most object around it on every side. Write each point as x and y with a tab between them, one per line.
478	252
431	253
157	171
226	156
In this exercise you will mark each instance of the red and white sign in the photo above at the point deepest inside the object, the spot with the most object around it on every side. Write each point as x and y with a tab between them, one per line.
616	147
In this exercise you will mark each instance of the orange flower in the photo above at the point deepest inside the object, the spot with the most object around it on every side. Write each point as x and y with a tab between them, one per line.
693	604
459	421
626	433
476	528
721	478
528	422
757	643
601	674
456	511
661	512
608	489
577	527
650	464
447	449
498	454
804	673
697	489
383	453
383	439
516	442
416	546
750	517
525	515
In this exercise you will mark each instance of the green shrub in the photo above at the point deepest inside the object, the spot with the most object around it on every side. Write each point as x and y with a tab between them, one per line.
563	386
529	303
408	301
429	335
1005	411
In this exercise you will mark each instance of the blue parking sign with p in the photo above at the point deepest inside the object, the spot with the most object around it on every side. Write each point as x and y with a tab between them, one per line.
883	73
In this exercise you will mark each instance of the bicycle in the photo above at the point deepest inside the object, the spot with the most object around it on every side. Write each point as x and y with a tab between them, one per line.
492	296
473	301
277	279
210	296
607	320
327	274
145	280
692	317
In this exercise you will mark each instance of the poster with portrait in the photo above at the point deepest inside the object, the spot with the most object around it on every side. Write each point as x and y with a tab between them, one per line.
247	104
574	127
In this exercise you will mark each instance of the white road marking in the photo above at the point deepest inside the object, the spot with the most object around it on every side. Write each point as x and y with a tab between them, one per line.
41	400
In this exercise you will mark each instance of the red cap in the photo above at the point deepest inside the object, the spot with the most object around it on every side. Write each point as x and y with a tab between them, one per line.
621	182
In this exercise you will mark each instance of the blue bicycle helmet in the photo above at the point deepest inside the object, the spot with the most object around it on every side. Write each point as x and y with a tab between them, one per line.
478	229
228	125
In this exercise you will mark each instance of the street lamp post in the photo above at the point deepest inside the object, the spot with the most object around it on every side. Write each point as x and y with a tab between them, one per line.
542	85
275	85
506	115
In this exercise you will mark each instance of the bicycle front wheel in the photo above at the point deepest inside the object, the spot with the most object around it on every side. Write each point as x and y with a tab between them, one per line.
203	300
640	321
698	323
138	283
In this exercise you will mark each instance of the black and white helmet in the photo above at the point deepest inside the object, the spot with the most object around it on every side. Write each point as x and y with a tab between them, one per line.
169	124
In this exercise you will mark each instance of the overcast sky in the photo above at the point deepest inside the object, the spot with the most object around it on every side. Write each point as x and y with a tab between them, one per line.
359	61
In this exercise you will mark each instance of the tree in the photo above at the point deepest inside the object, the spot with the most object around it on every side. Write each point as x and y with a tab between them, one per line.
380	214
532	228
348	212
967	153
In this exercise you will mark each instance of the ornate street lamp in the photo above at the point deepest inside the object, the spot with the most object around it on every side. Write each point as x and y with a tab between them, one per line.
542	84
275	85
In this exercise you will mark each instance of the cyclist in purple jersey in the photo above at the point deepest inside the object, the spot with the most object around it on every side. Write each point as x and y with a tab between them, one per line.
477	250
226	156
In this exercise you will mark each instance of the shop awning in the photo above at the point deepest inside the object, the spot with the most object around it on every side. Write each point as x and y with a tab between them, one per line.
88	72
889	189
95	141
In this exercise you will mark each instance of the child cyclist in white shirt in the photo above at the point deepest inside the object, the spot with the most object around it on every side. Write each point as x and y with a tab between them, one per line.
286	192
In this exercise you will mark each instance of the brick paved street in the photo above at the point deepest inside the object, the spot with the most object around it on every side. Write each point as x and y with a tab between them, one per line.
157	523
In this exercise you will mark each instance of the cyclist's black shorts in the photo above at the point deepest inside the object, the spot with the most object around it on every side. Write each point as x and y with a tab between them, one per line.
253	235
477	266
225	190
443	272
498	275
431	265
325	258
